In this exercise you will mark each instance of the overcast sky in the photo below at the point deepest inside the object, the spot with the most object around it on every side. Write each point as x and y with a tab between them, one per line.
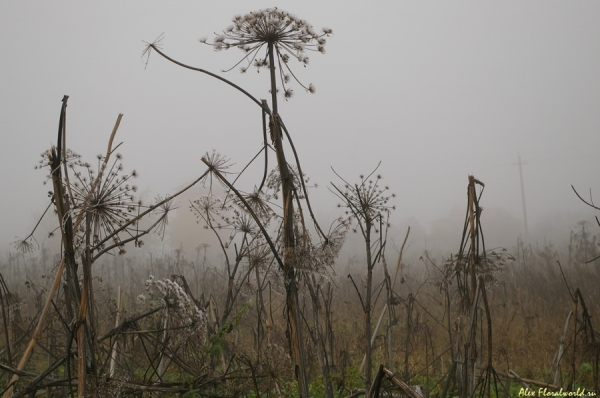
434	90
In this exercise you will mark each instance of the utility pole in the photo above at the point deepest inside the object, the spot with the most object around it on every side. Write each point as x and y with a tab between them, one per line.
520	164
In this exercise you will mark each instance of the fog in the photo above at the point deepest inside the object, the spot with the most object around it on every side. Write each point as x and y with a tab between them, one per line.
433	91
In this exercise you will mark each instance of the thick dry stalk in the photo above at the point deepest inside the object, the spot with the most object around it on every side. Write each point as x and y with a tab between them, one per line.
488	316
289	241
38	330
400	384
472	258
514	376
374	391
67	230
4	303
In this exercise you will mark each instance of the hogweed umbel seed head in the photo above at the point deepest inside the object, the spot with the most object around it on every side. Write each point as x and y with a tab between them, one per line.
110	203
288	36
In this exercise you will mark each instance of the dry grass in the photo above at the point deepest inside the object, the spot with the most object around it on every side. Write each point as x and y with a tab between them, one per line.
529	305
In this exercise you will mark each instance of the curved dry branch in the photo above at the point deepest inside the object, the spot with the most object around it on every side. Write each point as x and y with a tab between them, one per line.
583	200
247	94
357	292
37	224
150	209
130	239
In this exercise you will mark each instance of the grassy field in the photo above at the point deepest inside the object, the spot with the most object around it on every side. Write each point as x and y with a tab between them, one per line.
530	299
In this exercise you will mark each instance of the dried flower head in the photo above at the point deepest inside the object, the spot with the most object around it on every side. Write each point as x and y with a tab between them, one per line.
260	204
110	203
217	164
163	213
368	198
274	181
287	35
24	245
45	161
216	161
366	202
259	253
180	308
211	210
244	223
488	265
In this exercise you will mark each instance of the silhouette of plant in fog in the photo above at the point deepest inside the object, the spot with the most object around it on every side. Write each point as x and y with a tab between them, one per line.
365	203
110	203
96	213
163	207
367	210
269	38
262	242
290	36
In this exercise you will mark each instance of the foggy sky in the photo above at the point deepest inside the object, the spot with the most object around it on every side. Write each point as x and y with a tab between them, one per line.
435	91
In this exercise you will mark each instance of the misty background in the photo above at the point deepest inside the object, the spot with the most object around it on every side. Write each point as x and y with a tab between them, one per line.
435	91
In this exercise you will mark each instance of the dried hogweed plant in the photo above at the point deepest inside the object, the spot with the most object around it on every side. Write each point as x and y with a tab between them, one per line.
110	204
181	320
366	204
97	213
30	243
182	313
285	37
164	205
269	38
249	212
473	262
239	237
113	211
367	209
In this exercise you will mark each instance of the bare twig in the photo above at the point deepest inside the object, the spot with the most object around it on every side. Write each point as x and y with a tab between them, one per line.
591	204
247	94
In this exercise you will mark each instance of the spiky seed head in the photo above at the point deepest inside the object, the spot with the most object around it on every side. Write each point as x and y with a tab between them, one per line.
288	35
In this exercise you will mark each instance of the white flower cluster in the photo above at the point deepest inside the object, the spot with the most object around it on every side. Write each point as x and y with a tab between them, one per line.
181	308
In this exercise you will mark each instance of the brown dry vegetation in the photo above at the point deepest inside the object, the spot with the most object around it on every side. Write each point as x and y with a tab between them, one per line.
529	305
276	315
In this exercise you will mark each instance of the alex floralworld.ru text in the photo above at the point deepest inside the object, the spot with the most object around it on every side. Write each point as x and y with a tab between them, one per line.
546	392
